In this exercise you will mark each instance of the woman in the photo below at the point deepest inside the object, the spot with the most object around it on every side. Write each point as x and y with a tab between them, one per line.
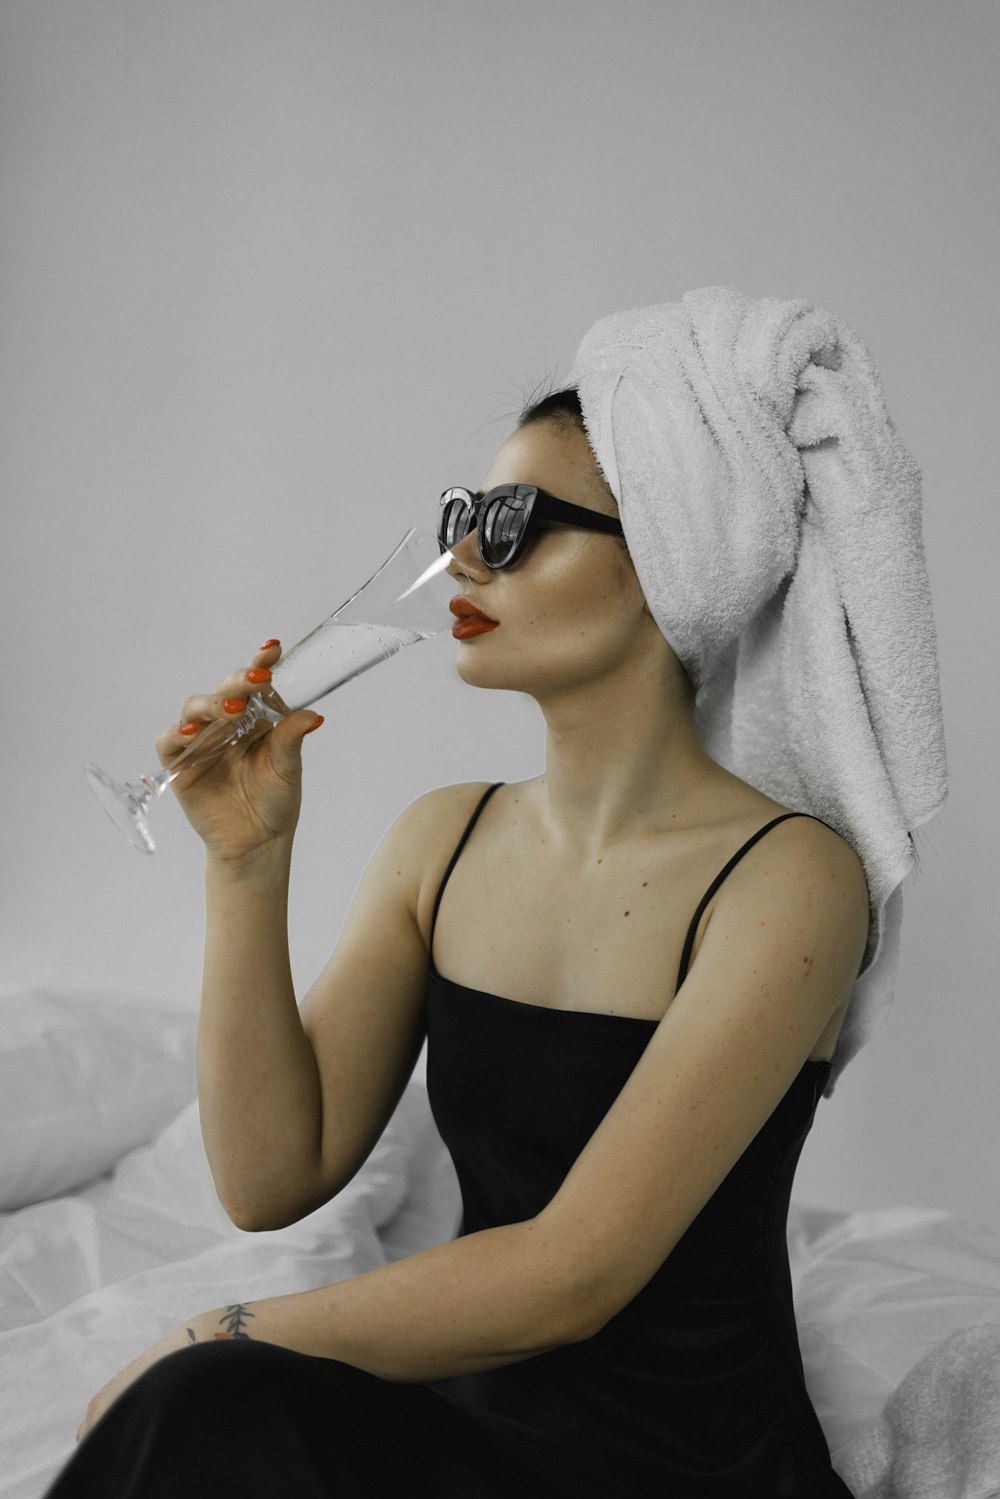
632	972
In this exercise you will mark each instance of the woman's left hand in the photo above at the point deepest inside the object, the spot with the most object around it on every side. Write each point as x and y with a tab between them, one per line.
195	1330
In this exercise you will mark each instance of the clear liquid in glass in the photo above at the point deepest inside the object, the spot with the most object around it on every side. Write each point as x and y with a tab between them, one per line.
333	654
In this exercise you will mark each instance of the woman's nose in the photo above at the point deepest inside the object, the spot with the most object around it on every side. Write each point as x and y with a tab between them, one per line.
466	561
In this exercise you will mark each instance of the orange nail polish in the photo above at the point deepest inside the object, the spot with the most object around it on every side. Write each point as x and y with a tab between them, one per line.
235	704
189	728
259	674
268	644
316	726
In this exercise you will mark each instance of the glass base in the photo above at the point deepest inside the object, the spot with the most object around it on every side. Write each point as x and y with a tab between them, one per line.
125	805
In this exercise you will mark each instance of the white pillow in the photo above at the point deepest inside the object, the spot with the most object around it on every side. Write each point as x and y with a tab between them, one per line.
83	1079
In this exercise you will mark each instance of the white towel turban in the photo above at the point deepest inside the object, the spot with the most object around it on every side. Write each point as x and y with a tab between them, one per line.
774	521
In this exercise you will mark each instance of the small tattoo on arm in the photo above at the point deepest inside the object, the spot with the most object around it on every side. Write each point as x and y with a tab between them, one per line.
234	1322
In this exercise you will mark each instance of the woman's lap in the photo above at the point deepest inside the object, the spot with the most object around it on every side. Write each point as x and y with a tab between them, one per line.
251	1419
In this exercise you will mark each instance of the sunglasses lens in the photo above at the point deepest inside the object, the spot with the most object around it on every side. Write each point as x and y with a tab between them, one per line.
502	527
455	520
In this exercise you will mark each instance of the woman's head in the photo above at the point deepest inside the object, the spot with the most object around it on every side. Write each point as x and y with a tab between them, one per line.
570	609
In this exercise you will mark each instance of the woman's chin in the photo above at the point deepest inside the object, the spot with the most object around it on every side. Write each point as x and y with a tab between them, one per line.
476	673
474	667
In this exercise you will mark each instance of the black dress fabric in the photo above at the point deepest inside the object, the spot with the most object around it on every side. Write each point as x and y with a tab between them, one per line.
694	1390
696	1387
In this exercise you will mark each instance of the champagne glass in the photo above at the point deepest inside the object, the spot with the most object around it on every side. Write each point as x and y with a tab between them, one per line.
405	601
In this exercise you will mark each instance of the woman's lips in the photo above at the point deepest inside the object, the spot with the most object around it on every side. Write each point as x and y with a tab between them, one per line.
470	621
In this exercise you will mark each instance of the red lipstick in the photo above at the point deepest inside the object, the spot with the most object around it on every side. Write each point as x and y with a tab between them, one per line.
470	621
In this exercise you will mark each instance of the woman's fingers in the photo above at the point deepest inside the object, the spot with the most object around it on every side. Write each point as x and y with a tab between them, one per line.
240	683
232	690
267	656
228	700
182	734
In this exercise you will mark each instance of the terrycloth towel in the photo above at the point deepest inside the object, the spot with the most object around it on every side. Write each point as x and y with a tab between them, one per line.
774	520
939	1434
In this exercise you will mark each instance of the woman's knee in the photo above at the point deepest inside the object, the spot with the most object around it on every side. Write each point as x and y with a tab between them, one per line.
208	1378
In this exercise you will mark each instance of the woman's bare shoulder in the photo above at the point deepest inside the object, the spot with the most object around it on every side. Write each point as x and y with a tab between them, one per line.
436	819
807	831
425	836
802	842
436	812
745	806
803	848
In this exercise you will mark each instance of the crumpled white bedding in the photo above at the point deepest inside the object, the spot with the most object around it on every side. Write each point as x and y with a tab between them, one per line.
885	1294
89	1280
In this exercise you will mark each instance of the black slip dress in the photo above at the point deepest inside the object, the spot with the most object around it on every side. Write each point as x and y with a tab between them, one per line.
694	1390
696	1387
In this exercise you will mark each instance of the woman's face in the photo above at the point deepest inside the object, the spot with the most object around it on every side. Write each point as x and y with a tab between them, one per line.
570	610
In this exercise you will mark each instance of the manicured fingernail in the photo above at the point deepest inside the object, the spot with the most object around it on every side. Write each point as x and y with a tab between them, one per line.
259	674
268	644
318	724
235	704
189	728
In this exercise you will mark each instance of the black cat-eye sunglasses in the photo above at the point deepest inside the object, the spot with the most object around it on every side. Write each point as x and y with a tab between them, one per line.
504	516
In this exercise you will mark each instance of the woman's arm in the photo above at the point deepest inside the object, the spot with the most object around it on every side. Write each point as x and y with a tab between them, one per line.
258	1084
293	1100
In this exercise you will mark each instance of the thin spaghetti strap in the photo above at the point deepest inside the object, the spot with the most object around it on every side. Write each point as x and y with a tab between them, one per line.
454	860
689	941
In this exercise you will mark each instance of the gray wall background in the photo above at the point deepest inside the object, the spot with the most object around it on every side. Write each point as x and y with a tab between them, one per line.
275	272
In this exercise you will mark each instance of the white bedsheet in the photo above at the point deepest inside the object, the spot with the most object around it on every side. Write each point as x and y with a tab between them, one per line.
90	1280
874	1293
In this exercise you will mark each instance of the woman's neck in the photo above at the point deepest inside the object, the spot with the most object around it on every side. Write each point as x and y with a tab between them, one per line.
622	762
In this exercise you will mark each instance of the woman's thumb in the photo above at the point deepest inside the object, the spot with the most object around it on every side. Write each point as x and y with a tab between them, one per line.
287	736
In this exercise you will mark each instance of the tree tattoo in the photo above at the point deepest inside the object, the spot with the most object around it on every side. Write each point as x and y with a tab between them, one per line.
234	1322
